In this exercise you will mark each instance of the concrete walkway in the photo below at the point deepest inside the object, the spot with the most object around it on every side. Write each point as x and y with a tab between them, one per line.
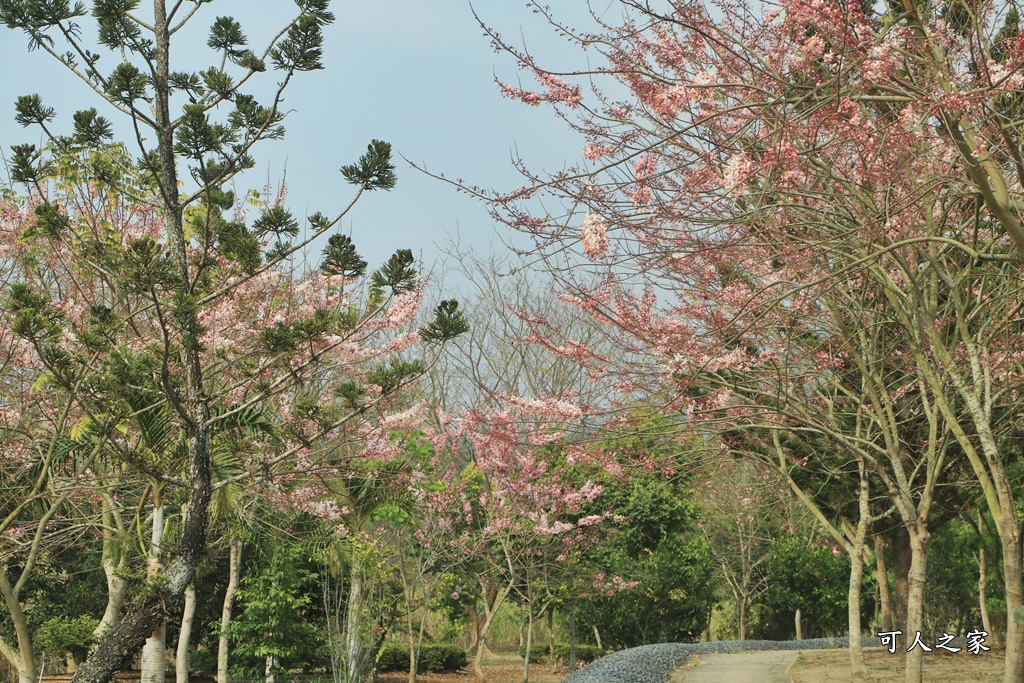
743	667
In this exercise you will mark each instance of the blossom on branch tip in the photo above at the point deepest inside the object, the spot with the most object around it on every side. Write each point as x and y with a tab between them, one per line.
595	235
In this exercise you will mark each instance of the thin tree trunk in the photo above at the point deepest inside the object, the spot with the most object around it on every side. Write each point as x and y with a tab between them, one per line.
915	602
187	617
234	573
354	645
117	586
529	643
490	613
23	659
986	624
572	636
882	578
858	669
741	618
154	653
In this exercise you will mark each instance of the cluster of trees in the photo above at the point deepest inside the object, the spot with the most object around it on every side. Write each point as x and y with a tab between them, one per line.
771	365
802	219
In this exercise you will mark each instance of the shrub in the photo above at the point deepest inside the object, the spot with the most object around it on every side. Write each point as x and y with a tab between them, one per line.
395	657
585	654
63	634
202	662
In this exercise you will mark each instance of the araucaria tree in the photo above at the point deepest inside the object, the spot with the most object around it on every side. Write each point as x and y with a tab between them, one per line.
827	200
136	296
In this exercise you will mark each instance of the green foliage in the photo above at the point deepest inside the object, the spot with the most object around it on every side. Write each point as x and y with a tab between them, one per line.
64	634
302	49
393	375
374	170
808	576
35	318
30	110
397	274
202	662
670	602
585	654
274	620
433	657
278	221
448	323
340	258
653	543
951	589
27	164
91	129
226	36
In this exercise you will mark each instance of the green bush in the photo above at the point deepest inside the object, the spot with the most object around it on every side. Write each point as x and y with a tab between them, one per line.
395	657
63	634
202	662
585	654
442	657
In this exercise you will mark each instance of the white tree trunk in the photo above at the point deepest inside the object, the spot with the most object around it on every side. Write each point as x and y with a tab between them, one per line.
117	586
154	652
187	617
234	572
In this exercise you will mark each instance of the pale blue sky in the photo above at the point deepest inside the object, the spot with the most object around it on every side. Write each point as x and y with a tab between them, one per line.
416	73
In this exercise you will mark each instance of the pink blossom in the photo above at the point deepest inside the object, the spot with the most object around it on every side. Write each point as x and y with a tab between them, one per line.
595	235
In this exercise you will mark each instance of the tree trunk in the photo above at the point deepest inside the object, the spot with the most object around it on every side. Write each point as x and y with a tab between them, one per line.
117	586
124	640
474	629
23	659
986	624
1014	592
354	645
187	617
529	643
234	572
882	578
915	602
154	656
858	670
741	618
490	612
154	653
899	541
799	629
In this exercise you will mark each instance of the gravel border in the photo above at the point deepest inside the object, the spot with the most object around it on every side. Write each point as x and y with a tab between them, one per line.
655	663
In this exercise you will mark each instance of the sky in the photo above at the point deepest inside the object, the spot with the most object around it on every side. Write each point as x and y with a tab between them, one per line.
419	74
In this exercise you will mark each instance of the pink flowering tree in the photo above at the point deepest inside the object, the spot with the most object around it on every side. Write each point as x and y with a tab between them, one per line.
800	221
137	274
509	506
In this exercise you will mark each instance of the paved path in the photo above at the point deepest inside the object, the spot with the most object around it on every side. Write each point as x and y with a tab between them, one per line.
743	667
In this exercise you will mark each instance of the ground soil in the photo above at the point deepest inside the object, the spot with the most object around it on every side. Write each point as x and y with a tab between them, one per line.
833	666
499	669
